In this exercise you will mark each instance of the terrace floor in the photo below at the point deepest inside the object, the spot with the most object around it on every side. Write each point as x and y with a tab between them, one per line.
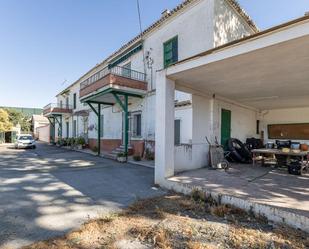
262	185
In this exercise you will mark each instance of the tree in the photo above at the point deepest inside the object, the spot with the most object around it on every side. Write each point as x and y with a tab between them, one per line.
5	124
17	117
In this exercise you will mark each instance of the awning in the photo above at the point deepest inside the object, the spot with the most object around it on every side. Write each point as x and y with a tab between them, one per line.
266	71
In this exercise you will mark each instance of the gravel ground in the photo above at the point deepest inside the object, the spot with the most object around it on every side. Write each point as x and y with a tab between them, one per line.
176	221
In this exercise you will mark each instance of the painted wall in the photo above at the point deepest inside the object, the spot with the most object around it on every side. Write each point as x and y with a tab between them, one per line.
284	116
184	114
243	120
228	25
209	22
206	121
43	133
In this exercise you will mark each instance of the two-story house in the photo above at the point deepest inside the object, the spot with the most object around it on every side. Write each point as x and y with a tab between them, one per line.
113	104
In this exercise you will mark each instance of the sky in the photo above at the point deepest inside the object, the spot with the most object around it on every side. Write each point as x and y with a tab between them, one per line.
45	45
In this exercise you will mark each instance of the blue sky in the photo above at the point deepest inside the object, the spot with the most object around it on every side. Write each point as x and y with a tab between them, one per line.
45	42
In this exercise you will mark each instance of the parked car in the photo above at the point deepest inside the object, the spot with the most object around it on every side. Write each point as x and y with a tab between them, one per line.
25	141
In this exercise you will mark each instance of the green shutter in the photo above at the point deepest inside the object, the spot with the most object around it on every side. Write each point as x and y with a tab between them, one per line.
170	50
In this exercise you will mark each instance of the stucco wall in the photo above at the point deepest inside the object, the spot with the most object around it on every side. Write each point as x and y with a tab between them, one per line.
43	133
284	116
184	114
243	121
228	24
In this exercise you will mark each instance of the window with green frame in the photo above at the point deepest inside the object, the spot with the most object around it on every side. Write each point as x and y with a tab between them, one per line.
170	49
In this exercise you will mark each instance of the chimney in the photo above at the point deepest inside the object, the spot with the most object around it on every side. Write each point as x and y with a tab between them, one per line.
165	12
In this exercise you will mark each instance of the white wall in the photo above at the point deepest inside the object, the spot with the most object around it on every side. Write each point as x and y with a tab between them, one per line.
284	116
43	133
184	114
243	120
198	30
228	24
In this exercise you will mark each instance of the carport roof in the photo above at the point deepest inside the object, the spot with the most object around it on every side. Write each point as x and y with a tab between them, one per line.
268	70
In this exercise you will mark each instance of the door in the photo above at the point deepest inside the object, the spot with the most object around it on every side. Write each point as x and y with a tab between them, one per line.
177	131
225	126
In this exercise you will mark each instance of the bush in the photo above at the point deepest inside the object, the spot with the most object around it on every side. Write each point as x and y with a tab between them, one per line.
81	141
122	154
95	149
149	155
137	158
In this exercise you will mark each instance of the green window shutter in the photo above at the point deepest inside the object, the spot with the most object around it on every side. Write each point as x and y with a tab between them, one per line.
170	50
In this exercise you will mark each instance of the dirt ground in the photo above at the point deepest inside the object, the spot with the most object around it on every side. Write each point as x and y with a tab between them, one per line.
176	221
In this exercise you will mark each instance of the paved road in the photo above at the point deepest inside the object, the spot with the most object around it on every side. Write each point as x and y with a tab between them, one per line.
49	191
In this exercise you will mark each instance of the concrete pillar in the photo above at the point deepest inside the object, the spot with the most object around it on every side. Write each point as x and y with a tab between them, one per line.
201	127
165	112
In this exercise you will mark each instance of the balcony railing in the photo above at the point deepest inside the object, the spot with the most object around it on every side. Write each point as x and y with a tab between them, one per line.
57	108
119	71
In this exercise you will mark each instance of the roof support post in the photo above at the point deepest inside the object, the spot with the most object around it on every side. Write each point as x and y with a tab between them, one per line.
99	129
124	105
93	109
98	113
59	121
126	135
52	129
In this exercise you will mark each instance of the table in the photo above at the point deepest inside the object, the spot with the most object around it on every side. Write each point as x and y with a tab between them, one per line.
302	154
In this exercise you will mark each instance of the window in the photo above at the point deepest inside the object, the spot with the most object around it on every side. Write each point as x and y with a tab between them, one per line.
126	71
67	102
137	125
102	126
74	100
177	132
61	105
170	49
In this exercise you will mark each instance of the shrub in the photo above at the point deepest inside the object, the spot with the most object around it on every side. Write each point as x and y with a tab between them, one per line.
137	158
122	154
81	141
95	149
149	155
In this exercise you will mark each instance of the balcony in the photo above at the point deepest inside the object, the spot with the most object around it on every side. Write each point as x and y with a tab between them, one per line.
116	78
56	109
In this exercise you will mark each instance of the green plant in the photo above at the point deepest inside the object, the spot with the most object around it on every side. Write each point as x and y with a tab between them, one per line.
81	141
95	149
60	141
149	155
137	158
122	154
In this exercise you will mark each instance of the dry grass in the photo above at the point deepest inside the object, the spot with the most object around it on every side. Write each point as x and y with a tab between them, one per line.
176	221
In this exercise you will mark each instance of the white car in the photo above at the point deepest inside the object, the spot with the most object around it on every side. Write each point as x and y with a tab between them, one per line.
25	141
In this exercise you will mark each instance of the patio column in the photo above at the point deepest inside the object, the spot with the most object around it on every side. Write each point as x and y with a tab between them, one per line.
165	112
201	127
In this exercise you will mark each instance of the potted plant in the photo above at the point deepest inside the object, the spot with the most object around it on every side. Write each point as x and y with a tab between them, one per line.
122	157
80	141
72	142
59	142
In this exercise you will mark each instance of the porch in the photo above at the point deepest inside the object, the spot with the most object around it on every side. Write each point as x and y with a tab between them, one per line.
118	87
55	113
267	191
260	81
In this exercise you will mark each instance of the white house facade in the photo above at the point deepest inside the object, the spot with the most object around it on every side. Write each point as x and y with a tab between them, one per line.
114	104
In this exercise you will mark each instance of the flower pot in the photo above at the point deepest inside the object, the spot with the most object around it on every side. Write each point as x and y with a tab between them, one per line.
121	159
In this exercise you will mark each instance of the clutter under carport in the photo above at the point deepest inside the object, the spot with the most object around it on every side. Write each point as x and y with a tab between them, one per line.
283	153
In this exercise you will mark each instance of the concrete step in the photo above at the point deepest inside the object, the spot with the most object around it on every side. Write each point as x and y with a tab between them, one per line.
111	156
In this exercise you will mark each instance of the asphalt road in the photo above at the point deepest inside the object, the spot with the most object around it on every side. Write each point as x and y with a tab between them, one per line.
48	191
